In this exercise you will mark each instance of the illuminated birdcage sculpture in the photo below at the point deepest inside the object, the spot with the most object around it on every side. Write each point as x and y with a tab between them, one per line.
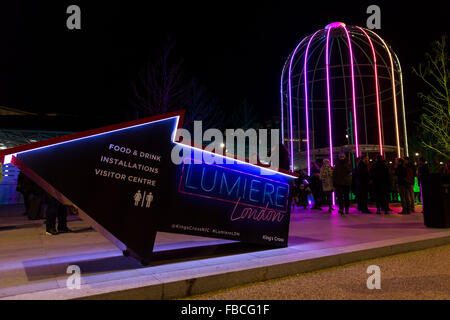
342	91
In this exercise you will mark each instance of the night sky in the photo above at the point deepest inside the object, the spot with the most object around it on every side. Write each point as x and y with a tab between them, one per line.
235	48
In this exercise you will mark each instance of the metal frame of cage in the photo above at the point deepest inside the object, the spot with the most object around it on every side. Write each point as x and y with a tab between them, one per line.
298	80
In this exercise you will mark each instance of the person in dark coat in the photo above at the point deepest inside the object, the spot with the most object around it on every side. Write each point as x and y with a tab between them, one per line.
36	201
283	157
362	184
392	190
403	186
32	196
446	170
411	175
380	177
326	176
342	181
25	186
302	195
315	184
56	209
301	190
422	170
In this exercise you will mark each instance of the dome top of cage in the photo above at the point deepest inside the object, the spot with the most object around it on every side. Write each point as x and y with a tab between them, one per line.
335	25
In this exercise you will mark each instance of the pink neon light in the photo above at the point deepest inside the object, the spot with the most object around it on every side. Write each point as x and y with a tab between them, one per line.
290	105
335	25
394	92
328	97
305	72
380	139
353	92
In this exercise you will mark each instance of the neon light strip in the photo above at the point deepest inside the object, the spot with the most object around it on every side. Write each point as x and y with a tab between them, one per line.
305	72
312	89
236	160
224	200
282	101
403	104
291	132
353	92
220	199
103	133
329	110
394	93
238	171
8	158
328	97
380	139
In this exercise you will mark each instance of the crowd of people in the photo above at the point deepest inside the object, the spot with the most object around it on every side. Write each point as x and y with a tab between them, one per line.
380	181
39	204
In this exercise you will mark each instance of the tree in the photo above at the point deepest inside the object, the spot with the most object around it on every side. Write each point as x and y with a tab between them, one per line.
435	120
245	116
202	107
161	86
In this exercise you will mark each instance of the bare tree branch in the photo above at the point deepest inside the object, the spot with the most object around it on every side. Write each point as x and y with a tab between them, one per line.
435	120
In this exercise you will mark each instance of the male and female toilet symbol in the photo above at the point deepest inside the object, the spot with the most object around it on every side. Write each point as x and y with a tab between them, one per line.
140	199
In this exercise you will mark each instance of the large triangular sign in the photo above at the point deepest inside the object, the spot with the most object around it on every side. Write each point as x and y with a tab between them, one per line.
124	184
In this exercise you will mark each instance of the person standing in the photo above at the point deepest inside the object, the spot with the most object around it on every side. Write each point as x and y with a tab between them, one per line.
25	186
403	187
362	184
315	185
380	177
36	201
326	176
56	210
342	181
422	171
392	192
410	177
446	170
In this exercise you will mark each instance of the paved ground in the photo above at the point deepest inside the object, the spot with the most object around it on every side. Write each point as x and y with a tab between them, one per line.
421	274
33	266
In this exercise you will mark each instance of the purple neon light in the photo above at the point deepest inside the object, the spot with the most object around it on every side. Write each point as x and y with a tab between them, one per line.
353	91
328	96
282	104
380	139
305	73
327	67
291	131
232	160
335	25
